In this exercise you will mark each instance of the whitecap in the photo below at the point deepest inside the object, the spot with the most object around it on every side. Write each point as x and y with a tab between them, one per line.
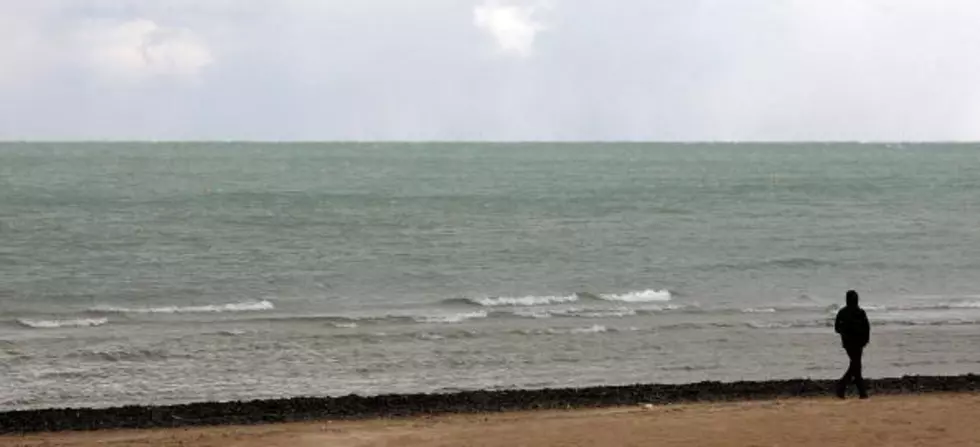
430	337
771	325
233	332
450	318
643	296
247	306
594	329
53	324
603	313
533	313
529	300
759	310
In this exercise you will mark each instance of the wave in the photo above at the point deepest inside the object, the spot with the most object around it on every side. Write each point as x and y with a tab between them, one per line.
450	318
787	324
944	322
689	368
644	296
518	301
534	313
73	374
906	364
950	305
428	336
941	305
233	332
870	308
124	354
797	263
594	329
248	306
54	324
641	296
603	313
965	305
777	263
801	324
597	312
759	310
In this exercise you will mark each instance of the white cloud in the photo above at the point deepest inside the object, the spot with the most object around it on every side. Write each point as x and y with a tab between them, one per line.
513	27
397	69
24	46
141	48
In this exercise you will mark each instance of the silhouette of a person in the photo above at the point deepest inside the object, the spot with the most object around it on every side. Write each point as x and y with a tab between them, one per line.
855	332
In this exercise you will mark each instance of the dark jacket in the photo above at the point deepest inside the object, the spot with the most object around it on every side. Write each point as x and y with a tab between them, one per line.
853	326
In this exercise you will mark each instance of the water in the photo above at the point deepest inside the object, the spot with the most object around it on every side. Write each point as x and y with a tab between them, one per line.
164	273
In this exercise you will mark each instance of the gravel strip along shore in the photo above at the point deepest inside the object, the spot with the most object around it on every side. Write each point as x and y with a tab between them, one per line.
400	405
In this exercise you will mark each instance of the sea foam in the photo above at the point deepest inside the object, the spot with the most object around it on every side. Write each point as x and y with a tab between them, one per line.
529	300
248	306
644	296
450	318
54	324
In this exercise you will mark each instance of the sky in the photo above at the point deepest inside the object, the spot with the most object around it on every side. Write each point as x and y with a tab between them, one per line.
503	70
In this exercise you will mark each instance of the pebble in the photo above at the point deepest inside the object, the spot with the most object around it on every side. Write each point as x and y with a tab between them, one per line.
400	405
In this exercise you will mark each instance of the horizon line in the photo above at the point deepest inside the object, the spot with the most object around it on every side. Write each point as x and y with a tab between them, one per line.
389	141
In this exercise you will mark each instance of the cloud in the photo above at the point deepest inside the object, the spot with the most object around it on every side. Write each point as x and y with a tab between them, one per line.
513	27
397	69
141	48
24	48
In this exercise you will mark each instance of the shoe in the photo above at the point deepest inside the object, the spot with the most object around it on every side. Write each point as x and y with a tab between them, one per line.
841	390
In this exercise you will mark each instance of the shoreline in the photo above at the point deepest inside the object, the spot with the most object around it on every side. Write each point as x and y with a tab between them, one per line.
354	407
902	420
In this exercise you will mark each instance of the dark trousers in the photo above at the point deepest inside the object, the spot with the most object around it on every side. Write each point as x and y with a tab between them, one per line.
853	372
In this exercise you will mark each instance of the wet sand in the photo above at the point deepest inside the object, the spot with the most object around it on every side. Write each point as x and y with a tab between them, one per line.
936	419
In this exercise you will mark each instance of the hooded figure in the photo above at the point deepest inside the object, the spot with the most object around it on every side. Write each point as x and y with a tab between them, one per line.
855	332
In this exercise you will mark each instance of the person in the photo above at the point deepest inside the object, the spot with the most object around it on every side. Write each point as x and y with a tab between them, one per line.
855	333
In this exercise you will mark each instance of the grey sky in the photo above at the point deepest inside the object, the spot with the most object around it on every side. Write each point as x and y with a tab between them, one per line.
490	69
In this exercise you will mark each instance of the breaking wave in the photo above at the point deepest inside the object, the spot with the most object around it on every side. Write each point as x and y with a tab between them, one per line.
597	312
594	329
248	306
450	318
759	310
519	301
603	313
641	296
54	324
233	332
644	296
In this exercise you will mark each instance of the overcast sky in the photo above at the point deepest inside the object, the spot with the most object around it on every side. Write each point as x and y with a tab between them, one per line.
490	69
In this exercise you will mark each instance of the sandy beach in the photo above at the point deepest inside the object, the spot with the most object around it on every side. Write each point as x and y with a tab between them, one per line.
910	420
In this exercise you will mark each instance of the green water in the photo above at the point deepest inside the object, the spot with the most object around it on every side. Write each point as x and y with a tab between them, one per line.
191	252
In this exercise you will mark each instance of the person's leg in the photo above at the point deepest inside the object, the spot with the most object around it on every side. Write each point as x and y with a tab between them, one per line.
858	374
846	378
